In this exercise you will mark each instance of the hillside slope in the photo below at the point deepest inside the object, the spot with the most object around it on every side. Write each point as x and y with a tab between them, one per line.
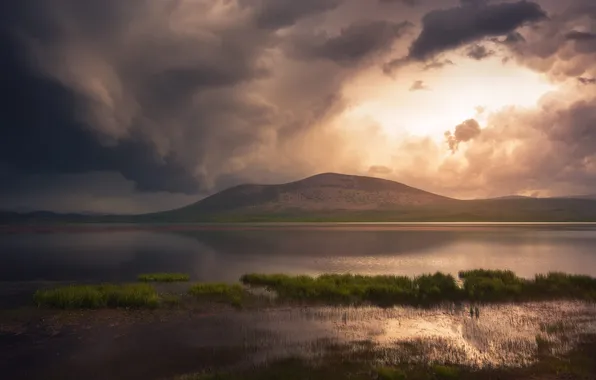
320	193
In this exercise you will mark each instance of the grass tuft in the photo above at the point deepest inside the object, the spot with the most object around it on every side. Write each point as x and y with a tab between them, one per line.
218	292
97	296
504	286
163	277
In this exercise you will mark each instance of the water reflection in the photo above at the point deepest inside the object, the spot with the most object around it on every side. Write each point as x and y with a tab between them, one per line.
211	255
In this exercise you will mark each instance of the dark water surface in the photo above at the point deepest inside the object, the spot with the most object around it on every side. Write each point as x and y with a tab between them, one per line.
211	253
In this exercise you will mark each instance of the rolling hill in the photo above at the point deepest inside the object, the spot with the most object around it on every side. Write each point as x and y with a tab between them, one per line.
332	197
338	197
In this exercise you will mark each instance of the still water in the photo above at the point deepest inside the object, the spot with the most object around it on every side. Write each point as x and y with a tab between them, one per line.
209	253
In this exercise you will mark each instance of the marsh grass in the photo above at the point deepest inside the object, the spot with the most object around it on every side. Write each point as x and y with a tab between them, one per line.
479	285
163	277
357	289
218	292
98	296
554	328
504	286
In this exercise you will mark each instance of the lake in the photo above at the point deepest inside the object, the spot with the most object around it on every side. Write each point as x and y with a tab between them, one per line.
223	253
116	344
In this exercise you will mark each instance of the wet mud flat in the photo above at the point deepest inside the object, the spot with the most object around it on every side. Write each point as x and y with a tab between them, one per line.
168	343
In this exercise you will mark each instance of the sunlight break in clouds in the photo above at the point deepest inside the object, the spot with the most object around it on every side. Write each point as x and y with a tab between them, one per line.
453	96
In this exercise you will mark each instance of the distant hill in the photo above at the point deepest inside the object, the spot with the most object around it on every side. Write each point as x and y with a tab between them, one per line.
585	196
332	197
514	197
323	192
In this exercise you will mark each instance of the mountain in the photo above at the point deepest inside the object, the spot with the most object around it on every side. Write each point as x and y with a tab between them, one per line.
332	197
322	194
338	197
327	191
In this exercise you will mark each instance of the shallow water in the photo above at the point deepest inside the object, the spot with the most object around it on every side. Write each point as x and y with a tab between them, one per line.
504	335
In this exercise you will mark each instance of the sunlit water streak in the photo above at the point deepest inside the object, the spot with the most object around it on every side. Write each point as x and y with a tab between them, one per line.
504	335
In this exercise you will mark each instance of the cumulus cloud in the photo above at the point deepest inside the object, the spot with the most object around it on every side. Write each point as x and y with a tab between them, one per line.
435	64
450	28
463	132
418	86
479	52
275	14
576	35
353	43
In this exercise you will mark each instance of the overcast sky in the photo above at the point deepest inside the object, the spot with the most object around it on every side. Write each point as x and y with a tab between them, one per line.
144	105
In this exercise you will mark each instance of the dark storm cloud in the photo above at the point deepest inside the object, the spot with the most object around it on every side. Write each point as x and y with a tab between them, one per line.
438	64
465	131
514	38
411	3
281	13
474	2
447	29
479	52
576	35
352	44
561	46
418	86
143	88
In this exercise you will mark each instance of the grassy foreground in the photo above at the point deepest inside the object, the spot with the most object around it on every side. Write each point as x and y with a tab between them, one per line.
97	296
163	277
478	286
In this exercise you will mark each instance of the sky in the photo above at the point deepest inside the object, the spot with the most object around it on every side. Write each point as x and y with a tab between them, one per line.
134	106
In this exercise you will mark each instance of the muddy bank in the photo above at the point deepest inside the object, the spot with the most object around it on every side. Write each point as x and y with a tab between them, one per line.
164	343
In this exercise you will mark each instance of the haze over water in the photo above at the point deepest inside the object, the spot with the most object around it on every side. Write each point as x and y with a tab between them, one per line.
119	253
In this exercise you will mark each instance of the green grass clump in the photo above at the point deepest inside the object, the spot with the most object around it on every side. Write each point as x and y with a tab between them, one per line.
492	285
163	277
479	285
355	289
562	285
219	292
502	286
97	296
